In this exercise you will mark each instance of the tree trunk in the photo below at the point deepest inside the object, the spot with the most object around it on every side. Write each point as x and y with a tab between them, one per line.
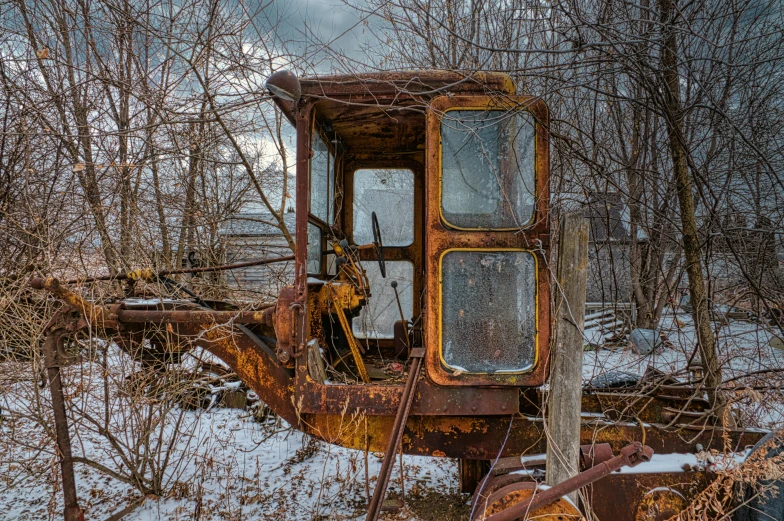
691	242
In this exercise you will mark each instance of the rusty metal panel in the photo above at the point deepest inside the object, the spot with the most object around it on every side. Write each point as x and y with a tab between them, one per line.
477	437
383	400
645	497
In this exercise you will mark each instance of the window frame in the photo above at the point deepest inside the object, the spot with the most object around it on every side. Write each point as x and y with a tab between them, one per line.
396	312
412	253
331	177
535	238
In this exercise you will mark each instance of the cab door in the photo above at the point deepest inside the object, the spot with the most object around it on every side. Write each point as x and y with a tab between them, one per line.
487	241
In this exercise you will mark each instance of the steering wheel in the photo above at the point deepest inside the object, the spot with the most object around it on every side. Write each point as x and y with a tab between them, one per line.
378	245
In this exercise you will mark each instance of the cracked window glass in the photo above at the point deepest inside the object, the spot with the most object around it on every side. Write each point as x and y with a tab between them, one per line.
488	311
390	193
487	161
314	249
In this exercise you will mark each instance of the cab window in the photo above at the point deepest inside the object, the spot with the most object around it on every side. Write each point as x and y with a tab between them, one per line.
322	181
487	160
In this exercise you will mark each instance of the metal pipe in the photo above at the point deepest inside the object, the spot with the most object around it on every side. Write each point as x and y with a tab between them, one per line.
195	317
406	399
148	274
52	345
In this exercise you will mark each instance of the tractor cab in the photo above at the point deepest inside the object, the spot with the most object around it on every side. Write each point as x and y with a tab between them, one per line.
421	223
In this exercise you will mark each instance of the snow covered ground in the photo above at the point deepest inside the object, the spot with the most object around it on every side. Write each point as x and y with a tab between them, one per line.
748	361
238	469
226	465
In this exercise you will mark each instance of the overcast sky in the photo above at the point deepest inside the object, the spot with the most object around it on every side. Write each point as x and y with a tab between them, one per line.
329	22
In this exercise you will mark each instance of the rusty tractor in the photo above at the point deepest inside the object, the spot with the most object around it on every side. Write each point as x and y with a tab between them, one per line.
421	306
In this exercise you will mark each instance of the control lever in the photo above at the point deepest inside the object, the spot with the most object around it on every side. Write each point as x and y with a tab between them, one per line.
400	309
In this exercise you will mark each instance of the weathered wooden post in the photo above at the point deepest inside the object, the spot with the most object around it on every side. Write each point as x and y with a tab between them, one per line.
565	397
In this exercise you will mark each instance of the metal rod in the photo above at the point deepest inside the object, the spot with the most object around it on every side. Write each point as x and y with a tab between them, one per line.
400	309
193	316
406	399
352	342
52	345
148	273
98	316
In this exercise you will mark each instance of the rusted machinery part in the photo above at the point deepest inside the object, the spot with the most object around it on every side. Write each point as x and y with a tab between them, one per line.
456	422
660	504
99	316
471	472
428	433
645	496
254	363
631	455
491	484
594	453
52	344
561	509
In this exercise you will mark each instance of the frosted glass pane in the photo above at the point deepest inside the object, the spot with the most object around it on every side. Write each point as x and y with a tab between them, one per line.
389	193
377	319
322	181
487	160
488	311
314	248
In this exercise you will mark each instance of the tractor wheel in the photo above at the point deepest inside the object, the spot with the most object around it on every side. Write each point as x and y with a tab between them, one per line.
505	497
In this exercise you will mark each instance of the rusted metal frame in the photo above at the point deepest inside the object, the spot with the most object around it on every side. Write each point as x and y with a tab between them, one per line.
480	437
383	400
395	436
195	317
630	455
51	347
300	318
441	238
300	323
312	219
398	84
247	357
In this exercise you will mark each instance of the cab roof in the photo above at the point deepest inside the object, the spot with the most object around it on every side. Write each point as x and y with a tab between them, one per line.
382	113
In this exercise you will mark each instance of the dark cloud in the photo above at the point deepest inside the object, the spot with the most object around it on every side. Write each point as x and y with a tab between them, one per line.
321	30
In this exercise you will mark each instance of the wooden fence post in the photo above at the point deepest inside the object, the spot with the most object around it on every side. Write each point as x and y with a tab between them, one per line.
565	396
